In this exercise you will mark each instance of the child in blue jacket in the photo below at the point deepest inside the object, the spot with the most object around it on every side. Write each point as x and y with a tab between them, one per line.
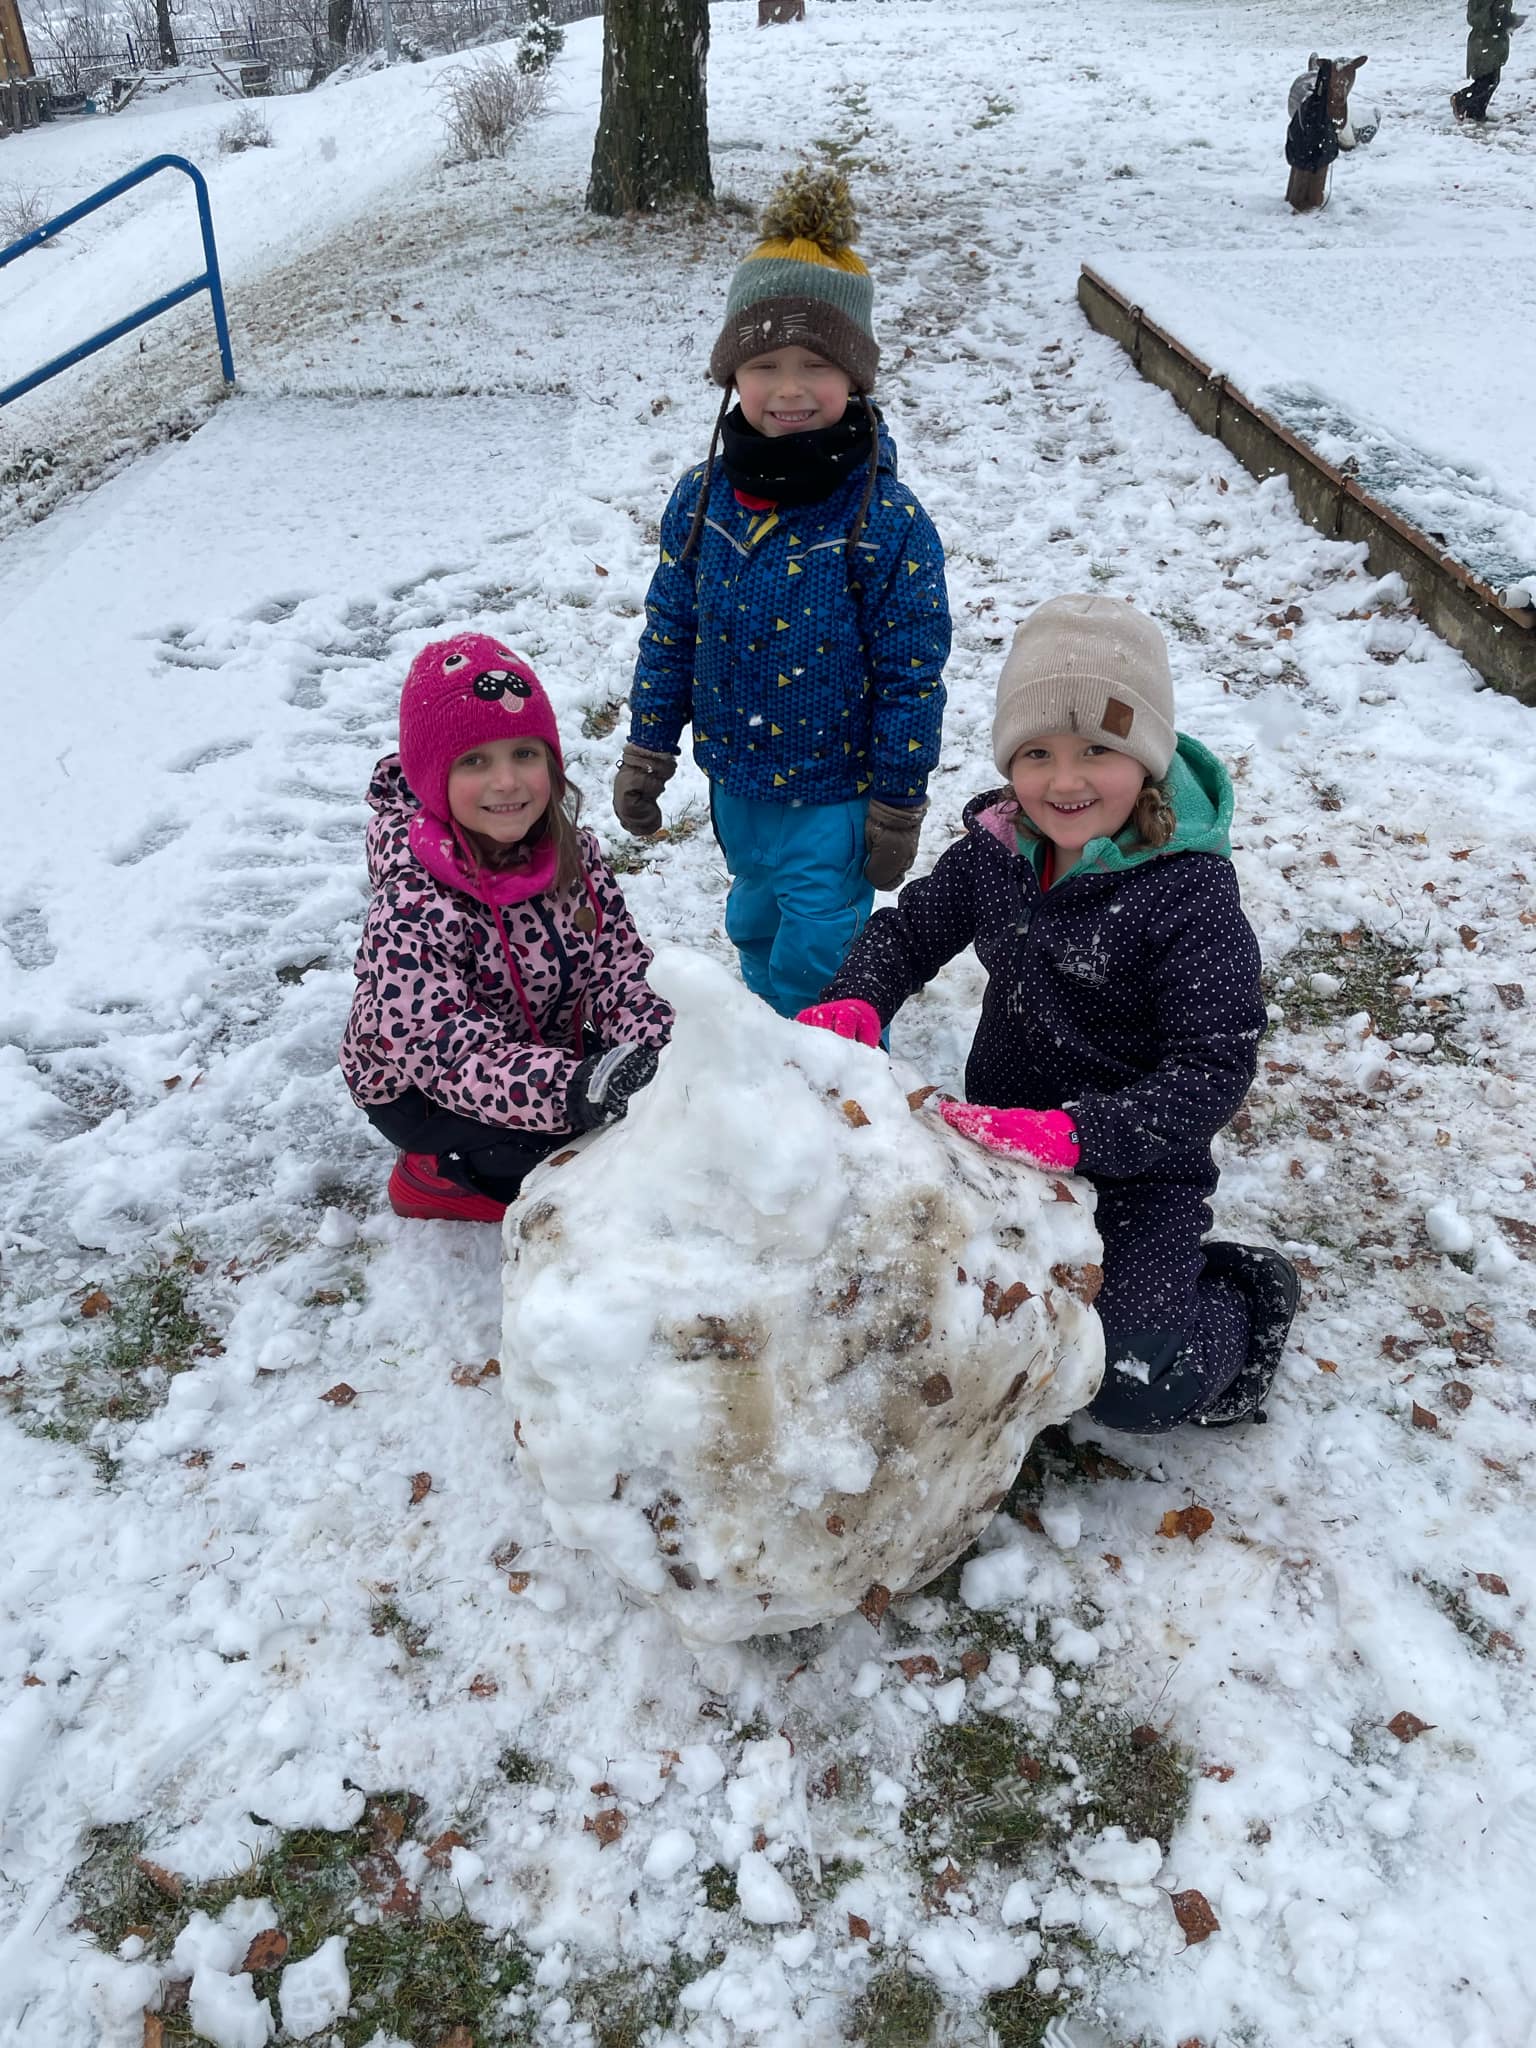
798	617
1121	1021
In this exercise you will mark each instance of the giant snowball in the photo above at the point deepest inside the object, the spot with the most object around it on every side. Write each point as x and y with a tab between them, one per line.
777	1343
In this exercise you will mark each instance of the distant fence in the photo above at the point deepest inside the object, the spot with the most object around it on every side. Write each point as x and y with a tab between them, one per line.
292	61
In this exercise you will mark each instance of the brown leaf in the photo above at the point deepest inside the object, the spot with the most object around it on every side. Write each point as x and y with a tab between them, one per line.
1501	1639
154	2031
1193	1912
607	1825
1000	1302
163	1880
599	568
1523	1233
974	1662
854	1112
920	1666
1464	854
563	1158
1222	1773
1425	1418
519	1582
919	1096
1408	1727
403	1902
844	1298
421	1486
482	1687
1468	935
1061	1192
1145	1736
440	1852
1082	1281
876	1600
1492	1583
1457	1394
826	1785
476	1375
1511	994
835	1525
1192	1522
504	1554
1326	1365
1028	1767
1112	1561
266	1950
31	1678
936	1390
858	1928
341	1395
95	1304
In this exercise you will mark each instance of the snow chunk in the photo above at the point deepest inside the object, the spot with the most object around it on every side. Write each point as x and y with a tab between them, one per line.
672	1850
1448	1229
815	1359
227	2012
997	1578
317	1991
1071	1644
699	1768
1018	1904
1110	1858
961	1956
1061	1908
764	1896
1063	1524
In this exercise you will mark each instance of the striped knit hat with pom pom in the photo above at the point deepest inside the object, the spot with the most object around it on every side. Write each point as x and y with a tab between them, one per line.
803	286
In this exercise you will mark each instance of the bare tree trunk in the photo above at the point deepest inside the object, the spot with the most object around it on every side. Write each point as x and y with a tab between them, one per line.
165	33
338	26
653	134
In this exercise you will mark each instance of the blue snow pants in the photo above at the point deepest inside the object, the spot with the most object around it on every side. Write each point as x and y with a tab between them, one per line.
798	895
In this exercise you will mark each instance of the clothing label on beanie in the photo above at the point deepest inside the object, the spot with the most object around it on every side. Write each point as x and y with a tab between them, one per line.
1118	718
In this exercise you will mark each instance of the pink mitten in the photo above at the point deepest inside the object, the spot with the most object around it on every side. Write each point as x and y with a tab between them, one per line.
849	1019
1046	1136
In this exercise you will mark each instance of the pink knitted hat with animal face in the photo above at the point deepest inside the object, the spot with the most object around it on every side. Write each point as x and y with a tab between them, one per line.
460	694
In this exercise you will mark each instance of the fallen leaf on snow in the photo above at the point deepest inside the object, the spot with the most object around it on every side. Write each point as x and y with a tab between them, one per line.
1222	1773
95	1303
1456	1394
1192	1522
476	1375
858	1928
1326	1365
1492	1583
854	1112
1193	1912
440	1852
341	1395
607	1825
163	1880
266	1950
921	1666
1408	1727
421	1486
1425	1418
874	1604
519	1582
482	1687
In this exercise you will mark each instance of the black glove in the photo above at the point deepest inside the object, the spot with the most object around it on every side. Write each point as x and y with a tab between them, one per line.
890	841
599	1090
643	775
1311	141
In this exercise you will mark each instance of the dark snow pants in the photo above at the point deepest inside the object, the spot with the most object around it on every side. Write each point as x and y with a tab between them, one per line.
1174	1340
486	1159
1474	98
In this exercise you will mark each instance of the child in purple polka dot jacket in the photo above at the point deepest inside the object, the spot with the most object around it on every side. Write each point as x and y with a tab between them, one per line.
1120	1026
501	1000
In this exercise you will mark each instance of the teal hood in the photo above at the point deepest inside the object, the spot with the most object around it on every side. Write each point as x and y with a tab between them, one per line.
1199	790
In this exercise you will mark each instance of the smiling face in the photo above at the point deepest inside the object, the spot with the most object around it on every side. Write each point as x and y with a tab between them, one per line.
500	791
792	391
1073	790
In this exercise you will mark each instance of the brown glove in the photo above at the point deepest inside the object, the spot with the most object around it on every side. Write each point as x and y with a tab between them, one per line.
642	776
890	842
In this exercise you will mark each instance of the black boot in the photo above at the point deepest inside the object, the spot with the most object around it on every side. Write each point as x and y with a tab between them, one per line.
1273	1288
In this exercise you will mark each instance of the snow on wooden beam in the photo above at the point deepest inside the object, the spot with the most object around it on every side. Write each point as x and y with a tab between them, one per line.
1498	641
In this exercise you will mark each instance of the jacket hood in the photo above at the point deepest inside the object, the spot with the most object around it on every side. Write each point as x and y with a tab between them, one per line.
1199	791
404	838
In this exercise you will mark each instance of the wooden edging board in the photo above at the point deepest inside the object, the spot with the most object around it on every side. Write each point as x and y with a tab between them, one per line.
1498	642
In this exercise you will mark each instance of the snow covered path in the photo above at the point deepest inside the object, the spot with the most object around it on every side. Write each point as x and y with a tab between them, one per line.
238	1608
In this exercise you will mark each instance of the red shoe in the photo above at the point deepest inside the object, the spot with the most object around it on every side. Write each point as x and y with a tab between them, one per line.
416	1188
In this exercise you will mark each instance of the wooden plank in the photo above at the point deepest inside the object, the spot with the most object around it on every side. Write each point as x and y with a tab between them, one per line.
15	57
1499	642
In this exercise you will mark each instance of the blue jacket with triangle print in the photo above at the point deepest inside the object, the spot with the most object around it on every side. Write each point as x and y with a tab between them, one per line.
799	688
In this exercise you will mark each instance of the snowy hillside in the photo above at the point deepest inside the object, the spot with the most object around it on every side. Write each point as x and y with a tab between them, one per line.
286	1647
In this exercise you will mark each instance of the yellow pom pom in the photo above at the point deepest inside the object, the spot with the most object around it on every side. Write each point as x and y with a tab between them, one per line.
816	207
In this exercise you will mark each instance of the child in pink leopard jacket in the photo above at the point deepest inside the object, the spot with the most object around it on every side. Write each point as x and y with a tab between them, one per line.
501	997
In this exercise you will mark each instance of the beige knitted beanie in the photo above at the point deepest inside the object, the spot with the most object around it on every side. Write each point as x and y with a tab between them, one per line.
1094	666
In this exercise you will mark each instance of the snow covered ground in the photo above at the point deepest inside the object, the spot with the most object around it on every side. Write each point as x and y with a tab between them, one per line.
231	1609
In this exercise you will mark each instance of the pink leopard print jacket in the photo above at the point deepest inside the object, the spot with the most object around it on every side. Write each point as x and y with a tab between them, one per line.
436	1007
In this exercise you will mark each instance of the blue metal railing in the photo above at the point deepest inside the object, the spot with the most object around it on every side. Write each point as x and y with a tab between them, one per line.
209	281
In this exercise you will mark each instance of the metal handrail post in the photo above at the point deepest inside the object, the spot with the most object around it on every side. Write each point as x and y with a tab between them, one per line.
210	280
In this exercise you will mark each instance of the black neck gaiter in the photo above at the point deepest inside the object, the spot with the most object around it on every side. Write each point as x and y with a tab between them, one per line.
794	469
